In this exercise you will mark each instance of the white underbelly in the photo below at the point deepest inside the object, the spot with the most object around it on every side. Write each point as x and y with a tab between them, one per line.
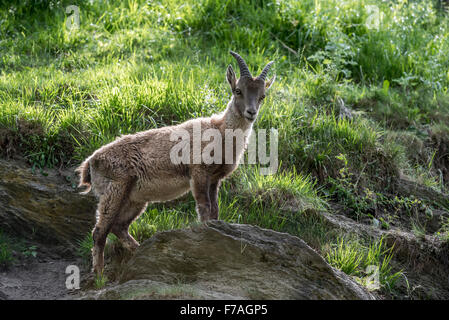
158	190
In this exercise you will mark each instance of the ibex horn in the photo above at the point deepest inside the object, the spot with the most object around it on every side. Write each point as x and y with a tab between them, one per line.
244	71
265	70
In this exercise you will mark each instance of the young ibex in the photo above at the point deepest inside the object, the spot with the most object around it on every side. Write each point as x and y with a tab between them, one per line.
136	169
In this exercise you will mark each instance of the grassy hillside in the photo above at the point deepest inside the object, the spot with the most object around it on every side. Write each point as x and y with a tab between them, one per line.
135	65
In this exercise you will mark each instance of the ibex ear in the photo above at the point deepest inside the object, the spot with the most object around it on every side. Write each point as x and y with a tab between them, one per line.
269	82
230	76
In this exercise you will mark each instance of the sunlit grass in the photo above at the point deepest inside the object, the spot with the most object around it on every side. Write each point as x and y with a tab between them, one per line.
369	263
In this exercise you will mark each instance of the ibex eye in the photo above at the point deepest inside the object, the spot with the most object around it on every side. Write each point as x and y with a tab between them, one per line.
261	98
238	92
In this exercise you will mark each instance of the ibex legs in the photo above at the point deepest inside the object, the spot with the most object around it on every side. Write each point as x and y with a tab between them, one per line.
213	195
130	211
109	207
205	193
200	190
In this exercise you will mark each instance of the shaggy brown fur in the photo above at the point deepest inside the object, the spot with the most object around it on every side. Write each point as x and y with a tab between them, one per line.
136	169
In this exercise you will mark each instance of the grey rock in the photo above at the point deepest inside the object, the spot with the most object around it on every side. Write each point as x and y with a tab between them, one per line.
242	261
47	208
3	296
154	290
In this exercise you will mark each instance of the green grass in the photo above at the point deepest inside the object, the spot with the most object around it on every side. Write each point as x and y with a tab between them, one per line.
369	263
159	220
6	257
443	233
84	248
100	281
13	248
74	92
135	65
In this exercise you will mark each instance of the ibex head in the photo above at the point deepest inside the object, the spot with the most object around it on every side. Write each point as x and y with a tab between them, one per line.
248	91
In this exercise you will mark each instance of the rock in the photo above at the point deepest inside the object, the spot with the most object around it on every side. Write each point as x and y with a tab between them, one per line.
47	208
224	260
436	219
149	289
3	296
407	187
